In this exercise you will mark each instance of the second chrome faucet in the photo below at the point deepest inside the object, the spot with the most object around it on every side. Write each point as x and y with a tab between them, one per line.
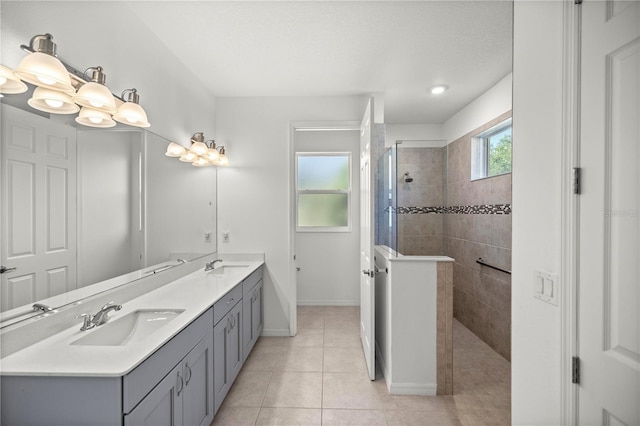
91	321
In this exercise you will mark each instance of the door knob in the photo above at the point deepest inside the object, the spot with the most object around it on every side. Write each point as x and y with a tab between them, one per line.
368	272
4	269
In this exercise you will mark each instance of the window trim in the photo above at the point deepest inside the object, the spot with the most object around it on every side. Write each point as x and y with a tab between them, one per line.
480	151
348	192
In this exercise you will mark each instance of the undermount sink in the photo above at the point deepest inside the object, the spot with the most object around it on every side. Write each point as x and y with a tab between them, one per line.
222	269
134	326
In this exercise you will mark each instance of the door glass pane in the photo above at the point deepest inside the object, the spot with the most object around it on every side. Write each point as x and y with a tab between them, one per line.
329	172
323	210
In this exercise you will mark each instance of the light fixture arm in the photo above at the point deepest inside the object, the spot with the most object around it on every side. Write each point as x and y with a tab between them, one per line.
131	96
97	76
44	44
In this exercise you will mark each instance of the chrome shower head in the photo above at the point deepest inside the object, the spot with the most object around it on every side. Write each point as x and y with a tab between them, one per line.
407	178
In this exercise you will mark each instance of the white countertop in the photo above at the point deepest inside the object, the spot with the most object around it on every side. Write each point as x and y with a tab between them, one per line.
55	356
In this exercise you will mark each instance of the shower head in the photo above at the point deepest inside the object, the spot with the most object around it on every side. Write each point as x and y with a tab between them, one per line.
407	178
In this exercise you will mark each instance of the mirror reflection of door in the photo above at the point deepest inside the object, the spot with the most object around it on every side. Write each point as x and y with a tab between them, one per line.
38	208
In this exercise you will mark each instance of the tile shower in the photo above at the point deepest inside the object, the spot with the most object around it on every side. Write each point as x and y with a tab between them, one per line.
441	211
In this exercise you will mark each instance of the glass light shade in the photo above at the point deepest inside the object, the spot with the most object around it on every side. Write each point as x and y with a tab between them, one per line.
201	162
9	82
212	155
94	118
175	150
199	148
44	70
96	96
223	160
131	114
188	157
52	101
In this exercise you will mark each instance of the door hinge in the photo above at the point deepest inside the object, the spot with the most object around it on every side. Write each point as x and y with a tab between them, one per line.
576	181
575	370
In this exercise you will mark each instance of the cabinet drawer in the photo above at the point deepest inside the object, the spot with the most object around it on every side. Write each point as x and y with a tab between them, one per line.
139	382
251	281
227	302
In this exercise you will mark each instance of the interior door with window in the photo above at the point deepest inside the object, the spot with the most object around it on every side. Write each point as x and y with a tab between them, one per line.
38	208
367	264
609	272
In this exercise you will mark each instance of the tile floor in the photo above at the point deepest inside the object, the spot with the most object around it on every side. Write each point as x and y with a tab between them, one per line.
319	378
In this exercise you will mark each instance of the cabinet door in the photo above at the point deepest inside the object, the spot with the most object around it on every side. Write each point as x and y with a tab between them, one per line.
234	342
256	315
221	379
197	397
163	405
247	332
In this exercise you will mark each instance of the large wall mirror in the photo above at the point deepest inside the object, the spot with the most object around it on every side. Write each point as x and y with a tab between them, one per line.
84	210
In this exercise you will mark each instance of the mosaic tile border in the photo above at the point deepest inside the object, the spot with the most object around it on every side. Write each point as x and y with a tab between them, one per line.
477	209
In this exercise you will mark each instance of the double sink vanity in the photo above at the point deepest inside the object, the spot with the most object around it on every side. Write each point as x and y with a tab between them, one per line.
167	356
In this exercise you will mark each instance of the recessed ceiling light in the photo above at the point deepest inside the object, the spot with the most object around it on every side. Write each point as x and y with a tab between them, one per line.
439	89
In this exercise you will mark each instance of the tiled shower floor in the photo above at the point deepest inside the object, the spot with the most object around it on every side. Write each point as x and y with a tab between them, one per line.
319	377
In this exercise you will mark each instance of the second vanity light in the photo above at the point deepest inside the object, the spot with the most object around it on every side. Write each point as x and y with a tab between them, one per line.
56	84
200	153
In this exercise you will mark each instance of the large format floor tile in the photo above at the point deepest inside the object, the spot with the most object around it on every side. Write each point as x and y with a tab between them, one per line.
319	378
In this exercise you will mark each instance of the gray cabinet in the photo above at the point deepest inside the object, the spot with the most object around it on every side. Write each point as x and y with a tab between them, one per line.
252	314
227	343
184	396
163	406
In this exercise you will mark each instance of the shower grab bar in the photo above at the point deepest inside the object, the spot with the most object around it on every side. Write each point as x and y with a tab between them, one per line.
482	262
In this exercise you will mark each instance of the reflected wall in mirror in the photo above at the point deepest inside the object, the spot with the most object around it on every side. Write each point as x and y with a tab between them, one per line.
81	207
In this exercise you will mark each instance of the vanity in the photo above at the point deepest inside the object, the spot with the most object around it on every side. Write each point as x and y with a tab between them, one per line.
168	356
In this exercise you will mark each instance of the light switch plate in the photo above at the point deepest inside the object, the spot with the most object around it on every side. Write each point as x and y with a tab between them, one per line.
546	287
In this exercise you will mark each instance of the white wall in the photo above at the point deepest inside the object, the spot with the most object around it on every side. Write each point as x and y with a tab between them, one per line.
329	261
180	205
495	101
537	149
254	193
109	34
106	229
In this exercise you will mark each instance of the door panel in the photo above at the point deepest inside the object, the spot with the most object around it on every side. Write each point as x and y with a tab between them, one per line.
38	208
367	292
609	278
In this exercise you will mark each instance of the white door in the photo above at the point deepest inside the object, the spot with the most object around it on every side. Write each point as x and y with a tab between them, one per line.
38	208
609	259
367	266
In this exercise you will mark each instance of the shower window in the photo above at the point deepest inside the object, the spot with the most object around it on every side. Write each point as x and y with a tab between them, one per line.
491	152
323	192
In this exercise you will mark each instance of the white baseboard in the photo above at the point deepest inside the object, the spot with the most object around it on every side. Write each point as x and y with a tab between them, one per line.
275	332
413	389
328	303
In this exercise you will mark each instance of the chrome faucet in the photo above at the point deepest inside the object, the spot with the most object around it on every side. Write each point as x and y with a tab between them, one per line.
91	321
210	265
103	314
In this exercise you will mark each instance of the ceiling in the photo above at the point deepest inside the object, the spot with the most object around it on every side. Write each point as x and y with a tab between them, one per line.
335	48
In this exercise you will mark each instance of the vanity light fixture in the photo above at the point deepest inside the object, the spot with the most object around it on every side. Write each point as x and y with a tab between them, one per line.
95	94
200	153
9	82
56	84
439	89
42	68
131	112
52	101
